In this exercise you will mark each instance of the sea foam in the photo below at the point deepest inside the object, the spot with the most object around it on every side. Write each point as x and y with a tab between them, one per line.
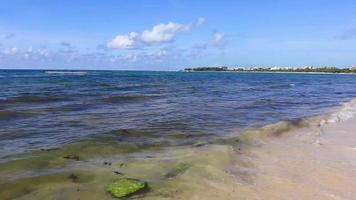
345	112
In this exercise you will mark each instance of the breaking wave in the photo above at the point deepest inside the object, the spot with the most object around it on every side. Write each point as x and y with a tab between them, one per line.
345	112
255	136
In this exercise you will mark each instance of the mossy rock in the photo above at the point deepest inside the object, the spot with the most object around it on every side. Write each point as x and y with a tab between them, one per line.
125	187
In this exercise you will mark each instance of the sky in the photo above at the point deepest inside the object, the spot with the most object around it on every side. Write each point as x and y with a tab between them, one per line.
174	34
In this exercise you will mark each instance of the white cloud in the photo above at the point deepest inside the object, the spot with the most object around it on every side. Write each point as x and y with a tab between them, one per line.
164	32
56	58
124	41
158	34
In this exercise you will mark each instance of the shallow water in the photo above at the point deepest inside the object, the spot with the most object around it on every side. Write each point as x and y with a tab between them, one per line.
68	135
45	110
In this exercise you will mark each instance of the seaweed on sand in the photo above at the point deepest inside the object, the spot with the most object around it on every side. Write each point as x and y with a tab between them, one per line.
24	186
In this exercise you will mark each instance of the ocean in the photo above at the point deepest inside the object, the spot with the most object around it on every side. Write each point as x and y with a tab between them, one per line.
40	109
176	135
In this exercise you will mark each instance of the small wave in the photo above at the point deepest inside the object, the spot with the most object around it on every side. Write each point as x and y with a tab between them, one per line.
281	86
31	99
15	135
69	108
67	72
25	76
6	115
127	98
256	136
137	133
271	130
345	112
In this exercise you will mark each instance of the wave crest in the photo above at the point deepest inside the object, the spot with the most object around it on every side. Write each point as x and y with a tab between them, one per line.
345	112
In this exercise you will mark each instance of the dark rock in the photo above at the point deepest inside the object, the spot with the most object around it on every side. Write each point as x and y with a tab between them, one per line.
74	178
118	173
71	157
51	149
107	163
199	144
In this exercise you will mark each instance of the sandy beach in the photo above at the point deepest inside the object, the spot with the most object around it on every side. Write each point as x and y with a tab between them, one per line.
314	158
177	100
314	161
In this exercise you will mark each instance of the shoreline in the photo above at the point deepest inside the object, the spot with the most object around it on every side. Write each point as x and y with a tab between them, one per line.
286	160
168	71
268	72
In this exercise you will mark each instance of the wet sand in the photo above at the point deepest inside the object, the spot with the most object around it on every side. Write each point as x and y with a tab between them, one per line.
314	162
311	159
308	163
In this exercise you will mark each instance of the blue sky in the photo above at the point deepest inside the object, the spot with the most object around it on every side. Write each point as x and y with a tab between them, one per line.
172	34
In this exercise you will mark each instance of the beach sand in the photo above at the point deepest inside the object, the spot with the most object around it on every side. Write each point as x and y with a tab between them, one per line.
313	158
314	161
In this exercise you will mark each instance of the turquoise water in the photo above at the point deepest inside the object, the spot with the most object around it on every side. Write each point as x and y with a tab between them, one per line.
44	110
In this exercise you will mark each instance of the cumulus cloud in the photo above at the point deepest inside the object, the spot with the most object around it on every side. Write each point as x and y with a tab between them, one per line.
127	41
347	35
164	32
158	34
38	57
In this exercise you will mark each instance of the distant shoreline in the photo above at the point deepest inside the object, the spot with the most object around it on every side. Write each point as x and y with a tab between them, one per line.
85	71
270	72
306	69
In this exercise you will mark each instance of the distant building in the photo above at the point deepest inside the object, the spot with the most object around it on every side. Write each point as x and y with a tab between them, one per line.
353	68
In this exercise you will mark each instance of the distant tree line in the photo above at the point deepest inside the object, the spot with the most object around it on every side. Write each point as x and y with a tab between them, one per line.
320	69
207	69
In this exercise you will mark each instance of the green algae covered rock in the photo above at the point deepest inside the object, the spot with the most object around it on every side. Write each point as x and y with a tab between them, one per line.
125	187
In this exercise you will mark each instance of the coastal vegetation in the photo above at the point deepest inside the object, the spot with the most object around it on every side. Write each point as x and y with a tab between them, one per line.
275	69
